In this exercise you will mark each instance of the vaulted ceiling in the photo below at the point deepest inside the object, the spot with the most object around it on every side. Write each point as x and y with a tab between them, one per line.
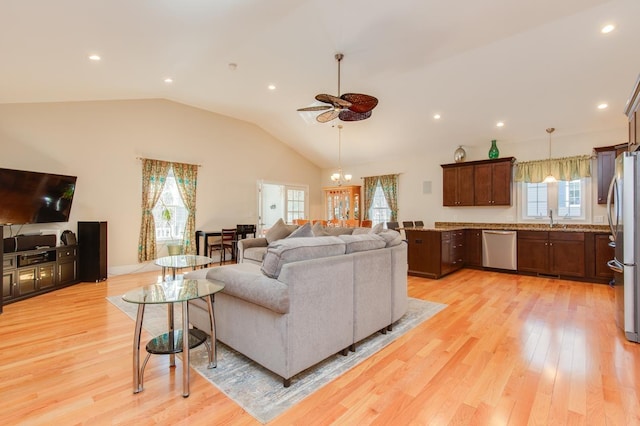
531	65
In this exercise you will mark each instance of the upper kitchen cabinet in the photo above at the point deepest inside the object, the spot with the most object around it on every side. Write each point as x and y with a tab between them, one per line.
457	185
606	168
492	182
631	110
478	183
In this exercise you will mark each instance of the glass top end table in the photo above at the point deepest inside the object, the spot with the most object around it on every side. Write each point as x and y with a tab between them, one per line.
169	292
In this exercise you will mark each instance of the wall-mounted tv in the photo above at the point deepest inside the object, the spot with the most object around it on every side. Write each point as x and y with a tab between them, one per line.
32	197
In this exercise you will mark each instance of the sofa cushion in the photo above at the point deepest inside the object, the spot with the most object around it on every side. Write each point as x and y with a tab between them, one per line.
338	230
362	242
245	281
279	230
303	231
295	249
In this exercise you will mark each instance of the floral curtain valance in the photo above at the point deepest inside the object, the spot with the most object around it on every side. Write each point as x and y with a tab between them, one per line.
567	168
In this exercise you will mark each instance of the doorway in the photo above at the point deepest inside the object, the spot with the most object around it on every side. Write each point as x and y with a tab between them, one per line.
280	201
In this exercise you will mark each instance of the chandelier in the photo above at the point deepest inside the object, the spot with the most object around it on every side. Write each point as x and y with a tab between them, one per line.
339	177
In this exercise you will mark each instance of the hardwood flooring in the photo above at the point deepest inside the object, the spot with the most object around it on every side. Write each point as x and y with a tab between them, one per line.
508	350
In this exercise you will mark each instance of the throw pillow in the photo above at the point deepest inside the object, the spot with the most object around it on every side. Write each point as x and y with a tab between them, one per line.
361	231
303	231
377	229
278	231
318	230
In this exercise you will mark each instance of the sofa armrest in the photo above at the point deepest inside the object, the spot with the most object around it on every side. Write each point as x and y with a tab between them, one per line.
249	243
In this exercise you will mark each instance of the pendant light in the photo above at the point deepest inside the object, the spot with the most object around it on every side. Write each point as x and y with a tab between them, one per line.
338	176
550	178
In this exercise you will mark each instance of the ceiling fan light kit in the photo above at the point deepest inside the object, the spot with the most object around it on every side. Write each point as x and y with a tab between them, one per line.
346	107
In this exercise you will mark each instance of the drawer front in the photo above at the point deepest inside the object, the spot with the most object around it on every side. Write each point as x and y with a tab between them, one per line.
533	235
9	262
66	252
566	236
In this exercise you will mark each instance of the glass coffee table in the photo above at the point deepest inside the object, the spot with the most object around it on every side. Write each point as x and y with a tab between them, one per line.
181	261
169	292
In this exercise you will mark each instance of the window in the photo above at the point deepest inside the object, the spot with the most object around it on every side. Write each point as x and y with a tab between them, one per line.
567	200
379	211
169	213
295	205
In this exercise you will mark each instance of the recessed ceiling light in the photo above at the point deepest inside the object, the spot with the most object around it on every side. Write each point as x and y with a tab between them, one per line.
232	66
607	29
94	57
437	116
168	80
271	87
499	124
603	106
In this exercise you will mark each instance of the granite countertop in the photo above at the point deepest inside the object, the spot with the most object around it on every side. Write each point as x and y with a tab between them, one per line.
455	226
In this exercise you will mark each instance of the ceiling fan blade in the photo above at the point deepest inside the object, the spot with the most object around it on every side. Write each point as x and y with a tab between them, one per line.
328	116
315	108
333	100
349	115
359	102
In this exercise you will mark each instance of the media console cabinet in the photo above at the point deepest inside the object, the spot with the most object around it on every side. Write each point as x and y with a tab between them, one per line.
32	272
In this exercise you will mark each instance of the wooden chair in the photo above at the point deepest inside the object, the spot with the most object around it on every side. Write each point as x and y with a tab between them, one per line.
351	223
227	242
321	222
366	223
393	225
418	224
300	222
334	222
408	224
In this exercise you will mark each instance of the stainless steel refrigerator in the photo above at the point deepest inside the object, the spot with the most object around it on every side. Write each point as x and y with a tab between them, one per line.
623	206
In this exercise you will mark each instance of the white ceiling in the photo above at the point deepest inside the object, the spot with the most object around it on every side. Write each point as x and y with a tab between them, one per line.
532	64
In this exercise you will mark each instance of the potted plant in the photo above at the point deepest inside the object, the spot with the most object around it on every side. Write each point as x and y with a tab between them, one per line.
174	245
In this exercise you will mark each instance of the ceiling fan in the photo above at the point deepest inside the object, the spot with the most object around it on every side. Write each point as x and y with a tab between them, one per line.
346	107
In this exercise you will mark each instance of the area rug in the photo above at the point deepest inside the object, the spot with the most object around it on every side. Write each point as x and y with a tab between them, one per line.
259	391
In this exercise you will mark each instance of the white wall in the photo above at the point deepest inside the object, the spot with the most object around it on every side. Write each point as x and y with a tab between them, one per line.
414	204
100	141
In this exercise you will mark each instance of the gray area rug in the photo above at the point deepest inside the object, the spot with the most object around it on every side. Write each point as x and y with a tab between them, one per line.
259	391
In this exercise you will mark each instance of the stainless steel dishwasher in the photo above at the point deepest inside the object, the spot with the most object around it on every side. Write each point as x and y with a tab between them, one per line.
500	250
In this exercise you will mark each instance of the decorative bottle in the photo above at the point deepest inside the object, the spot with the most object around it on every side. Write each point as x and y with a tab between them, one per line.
494	152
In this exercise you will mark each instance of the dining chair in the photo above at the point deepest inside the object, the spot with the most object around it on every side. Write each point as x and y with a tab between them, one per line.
320	221
227	242
393	225
407	224
300	222
351	223
366	223
334	222
418	224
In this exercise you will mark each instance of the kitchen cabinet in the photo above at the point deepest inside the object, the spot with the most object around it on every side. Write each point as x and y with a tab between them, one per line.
606	162
631	111
477	183
457	185
598	253
433	254
473	248
552	253
492	183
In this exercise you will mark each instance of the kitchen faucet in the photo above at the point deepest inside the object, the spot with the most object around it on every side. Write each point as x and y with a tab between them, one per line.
550	218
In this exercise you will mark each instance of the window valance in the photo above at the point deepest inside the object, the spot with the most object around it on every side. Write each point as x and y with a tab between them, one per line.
566	168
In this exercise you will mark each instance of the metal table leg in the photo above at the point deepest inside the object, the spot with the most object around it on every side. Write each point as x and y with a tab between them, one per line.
185	349
137	373
213	355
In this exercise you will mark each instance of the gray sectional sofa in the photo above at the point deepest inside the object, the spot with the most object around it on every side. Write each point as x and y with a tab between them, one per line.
309	298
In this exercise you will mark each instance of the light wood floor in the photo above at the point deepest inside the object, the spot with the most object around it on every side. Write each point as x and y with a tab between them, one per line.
507	350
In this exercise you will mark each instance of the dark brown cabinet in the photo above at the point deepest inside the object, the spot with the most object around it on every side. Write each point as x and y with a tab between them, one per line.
433	254
492	183
32	272
477	183
457	185
631	111
598	253
552	252
473	247
606	168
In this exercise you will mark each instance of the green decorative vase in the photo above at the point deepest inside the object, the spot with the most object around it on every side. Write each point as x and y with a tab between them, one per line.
494	152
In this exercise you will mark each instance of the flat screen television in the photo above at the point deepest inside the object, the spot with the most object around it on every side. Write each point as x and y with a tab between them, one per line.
32	197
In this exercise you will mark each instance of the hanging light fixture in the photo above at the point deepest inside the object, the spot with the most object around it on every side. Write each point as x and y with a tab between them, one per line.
549	178
338	176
